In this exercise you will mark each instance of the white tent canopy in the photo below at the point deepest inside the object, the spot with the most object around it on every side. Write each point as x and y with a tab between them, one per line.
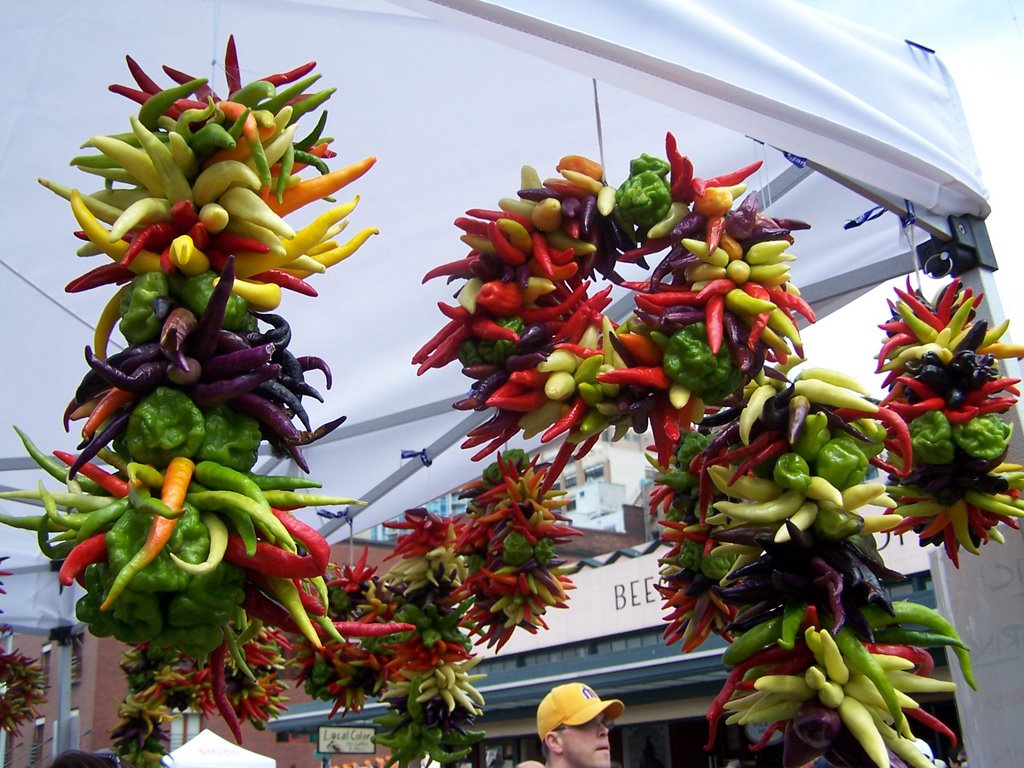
208	750
453	97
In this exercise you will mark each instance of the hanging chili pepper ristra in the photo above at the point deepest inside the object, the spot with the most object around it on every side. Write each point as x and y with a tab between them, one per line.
169	531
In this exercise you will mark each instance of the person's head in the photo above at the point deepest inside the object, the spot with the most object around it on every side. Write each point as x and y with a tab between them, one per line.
76	759
573	723
529	764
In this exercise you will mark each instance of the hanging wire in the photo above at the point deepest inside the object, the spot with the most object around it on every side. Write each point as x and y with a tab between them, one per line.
597	120
907	231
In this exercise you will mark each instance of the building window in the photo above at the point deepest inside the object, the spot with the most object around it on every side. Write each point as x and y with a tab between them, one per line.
44	660
570	480
77	649
594	473
35	752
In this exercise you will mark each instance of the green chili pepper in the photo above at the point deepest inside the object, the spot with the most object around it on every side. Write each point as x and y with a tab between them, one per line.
862	660
157	104
55	469
103	518
210	138
753	640
221	478
792	620
220	501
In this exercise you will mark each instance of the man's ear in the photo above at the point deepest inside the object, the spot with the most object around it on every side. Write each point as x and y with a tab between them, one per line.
553	741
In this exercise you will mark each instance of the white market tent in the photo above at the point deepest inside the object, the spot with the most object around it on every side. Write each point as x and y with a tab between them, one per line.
208	750
453	96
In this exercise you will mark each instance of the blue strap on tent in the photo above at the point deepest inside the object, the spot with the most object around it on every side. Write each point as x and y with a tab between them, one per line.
422	455
796	160
911	216
345	515
867	216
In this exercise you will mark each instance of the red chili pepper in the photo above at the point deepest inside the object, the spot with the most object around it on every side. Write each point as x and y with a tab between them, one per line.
109	482
567	421
532	315
229	243
963	415
139	97
949	294
500	298
644	376
787	300
530	378
920	310
653	245
715	230
306	535
231	71
714	311
219	691
522	403
372	629
566	188
486	328
144	81
442	348
541	255
184	215
458	268
735	177
200	236
285	280
507	252
658	301
261	607
720	286
105	274
270	560
681	175
283	78
996	405
472	226
909	411
917	387
85	553
154	237
491	215
892	343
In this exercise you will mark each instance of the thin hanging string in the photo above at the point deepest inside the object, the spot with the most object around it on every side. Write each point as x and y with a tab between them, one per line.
597	120
907	231
762	177
351	544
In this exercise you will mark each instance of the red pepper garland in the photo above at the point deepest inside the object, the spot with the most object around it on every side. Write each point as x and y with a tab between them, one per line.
509	541
540	350
24	684
177	542
941	371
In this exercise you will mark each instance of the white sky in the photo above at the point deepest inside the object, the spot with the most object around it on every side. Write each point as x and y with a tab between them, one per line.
981	44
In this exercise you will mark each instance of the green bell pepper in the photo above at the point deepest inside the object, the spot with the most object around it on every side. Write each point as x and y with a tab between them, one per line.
139	322
791	470
517	549
841	462
644	198
135	617
931	438
688	361
832	524
231	439
166	423
812	437
984	437
190	540
194	293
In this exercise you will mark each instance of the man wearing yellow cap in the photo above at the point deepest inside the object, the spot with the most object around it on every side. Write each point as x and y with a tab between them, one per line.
573	723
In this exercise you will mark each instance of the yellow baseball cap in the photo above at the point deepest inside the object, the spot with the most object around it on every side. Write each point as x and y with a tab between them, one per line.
573	704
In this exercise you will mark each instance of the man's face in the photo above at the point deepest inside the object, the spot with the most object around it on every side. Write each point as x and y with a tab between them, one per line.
586	746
